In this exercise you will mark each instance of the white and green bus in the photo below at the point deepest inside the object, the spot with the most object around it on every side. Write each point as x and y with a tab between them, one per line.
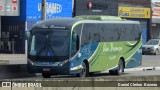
84	45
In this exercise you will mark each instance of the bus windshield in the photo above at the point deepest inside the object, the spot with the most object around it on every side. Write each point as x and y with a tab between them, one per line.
49	43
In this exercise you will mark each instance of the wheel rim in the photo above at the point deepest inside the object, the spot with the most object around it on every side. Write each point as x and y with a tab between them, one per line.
83	71
121	67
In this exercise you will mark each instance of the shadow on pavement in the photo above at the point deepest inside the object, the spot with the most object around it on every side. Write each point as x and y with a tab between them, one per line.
94	75
14	71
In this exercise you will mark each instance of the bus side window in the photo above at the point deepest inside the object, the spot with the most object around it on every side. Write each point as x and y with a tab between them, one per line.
75	44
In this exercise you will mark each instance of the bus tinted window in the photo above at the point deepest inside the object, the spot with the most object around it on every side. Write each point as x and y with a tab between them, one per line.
90	33
119	32
109	32
78	29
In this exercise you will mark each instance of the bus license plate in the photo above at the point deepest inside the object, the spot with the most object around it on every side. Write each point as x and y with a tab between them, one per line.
46	69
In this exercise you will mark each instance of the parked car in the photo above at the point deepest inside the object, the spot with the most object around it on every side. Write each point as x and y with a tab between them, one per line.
152	47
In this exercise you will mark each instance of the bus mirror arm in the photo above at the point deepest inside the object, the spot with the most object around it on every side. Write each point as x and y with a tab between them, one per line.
27	35
75	37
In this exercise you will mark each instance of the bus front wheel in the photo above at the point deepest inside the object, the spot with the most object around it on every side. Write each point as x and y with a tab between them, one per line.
84	71
119	70
46	75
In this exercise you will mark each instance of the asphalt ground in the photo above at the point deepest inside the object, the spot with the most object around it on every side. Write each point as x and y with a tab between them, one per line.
17	67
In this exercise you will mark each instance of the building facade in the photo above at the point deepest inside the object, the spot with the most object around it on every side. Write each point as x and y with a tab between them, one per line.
13	27
155	5
95	7
138	10
8	35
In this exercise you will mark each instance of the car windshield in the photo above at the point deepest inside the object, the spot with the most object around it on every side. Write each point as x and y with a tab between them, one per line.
152	42
49	43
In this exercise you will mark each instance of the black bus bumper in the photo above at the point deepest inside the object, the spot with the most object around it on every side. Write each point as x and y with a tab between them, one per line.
48	69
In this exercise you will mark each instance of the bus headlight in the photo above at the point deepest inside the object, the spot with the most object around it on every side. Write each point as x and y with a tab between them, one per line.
30	61
63	62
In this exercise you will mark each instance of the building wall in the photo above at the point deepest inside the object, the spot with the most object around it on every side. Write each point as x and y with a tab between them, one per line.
98	7
111	7
13	28
9	30
9	8
143	15
135	3
156	30
155	19
13	32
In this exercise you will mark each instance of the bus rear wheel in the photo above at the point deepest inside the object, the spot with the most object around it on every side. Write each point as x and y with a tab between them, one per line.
46	75
119	70
84	71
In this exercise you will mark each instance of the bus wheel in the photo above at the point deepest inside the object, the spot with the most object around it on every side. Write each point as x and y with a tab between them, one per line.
91	73
46	75
84	71
119	70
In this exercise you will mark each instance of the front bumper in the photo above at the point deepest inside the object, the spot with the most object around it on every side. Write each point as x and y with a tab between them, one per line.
148	51
48	69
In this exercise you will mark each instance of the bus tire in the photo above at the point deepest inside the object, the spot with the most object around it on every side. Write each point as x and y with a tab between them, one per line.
84	71
91	73
119	70
111	72
46	75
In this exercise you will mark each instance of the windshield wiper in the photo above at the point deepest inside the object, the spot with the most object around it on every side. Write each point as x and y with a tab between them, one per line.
47	47
43	48
50	48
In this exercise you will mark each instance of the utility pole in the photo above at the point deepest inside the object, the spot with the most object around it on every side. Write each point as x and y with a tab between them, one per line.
43	16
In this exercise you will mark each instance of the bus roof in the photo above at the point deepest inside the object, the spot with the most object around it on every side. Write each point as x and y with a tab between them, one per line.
104	19
67	23
125	22
56	23
99	17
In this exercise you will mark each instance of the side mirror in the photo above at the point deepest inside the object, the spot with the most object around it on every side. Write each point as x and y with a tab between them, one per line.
27	35
75	37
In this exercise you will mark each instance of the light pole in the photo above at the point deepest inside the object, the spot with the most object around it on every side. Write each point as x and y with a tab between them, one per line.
43	16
